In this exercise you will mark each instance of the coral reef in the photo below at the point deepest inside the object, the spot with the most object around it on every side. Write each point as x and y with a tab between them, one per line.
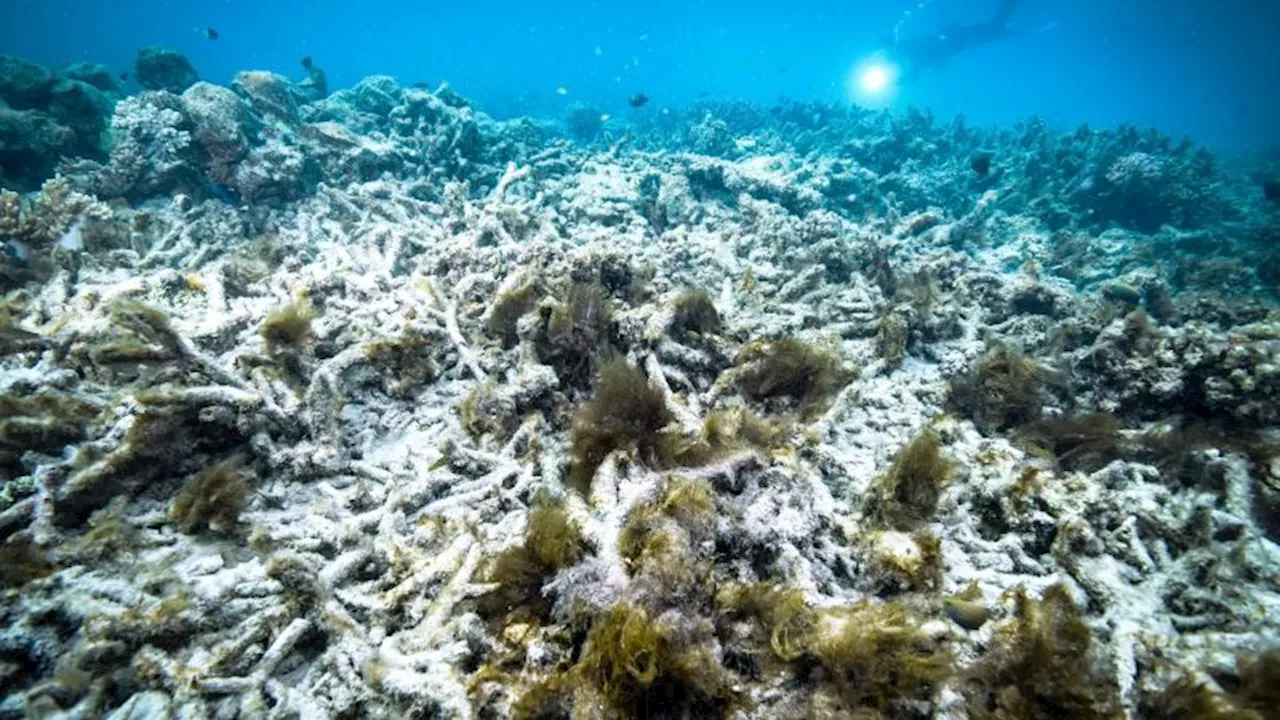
364	404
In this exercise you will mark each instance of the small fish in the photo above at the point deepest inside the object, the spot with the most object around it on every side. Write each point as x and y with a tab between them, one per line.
225	193
604	118
638	100
562	90
17	251
211	33
965	613
306	62
124	76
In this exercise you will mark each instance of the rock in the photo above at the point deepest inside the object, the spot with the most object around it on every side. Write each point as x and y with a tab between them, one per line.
31	144
159	68
223	125
96	74
23	84
83	108
268	93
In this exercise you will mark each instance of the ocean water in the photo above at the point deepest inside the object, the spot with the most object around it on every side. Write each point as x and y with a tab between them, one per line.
1195	67
670	361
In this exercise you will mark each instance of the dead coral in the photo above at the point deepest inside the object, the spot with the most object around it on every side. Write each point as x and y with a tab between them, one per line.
1043	665
214	498
626	413
173	431
1252	693
892	336
44	219
789	368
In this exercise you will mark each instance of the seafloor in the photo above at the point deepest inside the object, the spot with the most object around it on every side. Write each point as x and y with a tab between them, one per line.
371	406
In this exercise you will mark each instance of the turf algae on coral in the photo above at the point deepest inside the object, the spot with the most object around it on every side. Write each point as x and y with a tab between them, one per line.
804	374
552	542
907	494
625	413
1044	663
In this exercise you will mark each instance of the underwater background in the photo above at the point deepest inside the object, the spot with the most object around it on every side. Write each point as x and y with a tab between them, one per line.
1197	67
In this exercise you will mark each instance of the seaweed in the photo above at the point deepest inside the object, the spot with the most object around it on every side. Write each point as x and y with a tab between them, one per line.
641	667
288	329
625	413
1079	442
300	580
508	308
738	427
892	335
876	654
1191	698
110	535
485	411
576	331
1259	685
22	560
658	539
907	494
789	368
552	542
214	498
43	423
873	654
1253	693
1043	665
1003	389
404	362
169	433
694	313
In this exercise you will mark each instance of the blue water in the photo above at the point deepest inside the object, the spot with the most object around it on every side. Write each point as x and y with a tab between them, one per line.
1198	67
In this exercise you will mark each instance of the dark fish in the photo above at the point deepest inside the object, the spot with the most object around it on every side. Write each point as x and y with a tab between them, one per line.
638	100
1271	190
225	193
306	62
980	163
211	33
124	76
